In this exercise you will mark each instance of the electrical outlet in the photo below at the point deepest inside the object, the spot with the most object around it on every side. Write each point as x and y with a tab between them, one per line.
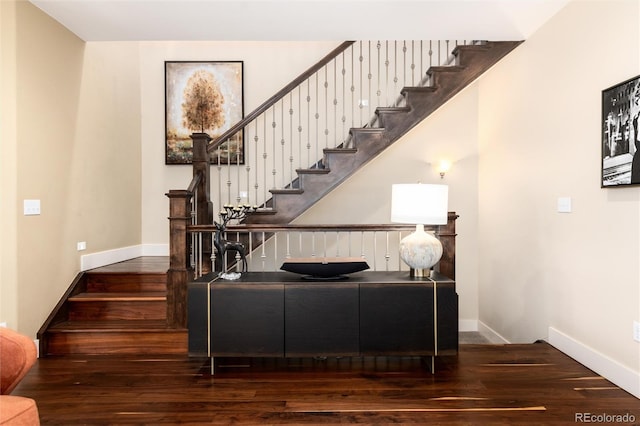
636	331
82	245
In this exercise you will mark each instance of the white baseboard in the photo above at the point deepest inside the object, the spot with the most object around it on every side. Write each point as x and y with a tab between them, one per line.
608	368
492	335
467	325
108	257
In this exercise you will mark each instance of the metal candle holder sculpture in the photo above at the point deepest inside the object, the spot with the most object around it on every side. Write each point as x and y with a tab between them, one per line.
228	213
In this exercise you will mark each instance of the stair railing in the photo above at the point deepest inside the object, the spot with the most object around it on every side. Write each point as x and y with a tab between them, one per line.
288	132
316	111
269	245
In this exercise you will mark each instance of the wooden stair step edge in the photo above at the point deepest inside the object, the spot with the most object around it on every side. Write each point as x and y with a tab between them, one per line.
316	171
115	337
286	191
119	297
121	282
114	326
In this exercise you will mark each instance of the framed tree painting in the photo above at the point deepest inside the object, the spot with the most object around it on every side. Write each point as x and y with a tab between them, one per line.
203	97
620	138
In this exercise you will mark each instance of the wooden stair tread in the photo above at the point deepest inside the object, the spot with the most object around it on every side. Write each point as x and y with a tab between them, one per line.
287	191
340	150
114	326
122	297
313	171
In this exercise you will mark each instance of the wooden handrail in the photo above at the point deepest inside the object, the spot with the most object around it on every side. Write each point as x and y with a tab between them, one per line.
279	95
271	227
194	183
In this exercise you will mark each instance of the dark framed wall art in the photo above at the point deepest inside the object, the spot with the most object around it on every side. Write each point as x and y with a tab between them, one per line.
621	134
203	97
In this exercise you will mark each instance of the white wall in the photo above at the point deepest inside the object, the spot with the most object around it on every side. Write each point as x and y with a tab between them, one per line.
539	139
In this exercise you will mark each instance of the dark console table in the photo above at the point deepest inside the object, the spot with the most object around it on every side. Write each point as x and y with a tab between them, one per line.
279	314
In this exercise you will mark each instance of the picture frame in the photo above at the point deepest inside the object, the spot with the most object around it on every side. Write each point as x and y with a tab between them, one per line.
620	138
203	97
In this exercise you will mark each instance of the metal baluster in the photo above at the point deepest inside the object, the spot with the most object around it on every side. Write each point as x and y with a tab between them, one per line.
430	83
369	77
413	64
335	102
361	101
326	108
337	243
353	89
422	71
199	254
395	69
264	155
288	254
300	243
317	118
386	67
219	168
256	185
344	99
291	137
308	121
263	255
379	91
273	145
313	244
387	256
282	143
245	153
229	171
275	249
375	251
324	244
404	63
212	258
299	127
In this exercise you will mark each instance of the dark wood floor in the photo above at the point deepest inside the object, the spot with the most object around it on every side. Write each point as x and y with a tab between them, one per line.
485	384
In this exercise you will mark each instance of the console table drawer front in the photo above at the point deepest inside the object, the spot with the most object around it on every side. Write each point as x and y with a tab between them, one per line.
321	320
397	320
247	321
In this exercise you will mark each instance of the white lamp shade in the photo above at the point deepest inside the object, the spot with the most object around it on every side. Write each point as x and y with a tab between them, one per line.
419	203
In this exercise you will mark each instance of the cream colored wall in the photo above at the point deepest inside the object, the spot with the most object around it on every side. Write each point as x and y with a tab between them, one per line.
540	127
77	149
268	66
8	146
366	196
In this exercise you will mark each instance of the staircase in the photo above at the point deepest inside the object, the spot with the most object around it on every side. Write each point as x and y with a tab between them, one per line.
393	122
119	308
122	308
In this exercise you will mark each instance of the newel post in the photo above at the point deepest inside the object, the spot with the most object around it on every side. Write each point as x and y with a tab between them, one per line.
202	167
180	271
447	236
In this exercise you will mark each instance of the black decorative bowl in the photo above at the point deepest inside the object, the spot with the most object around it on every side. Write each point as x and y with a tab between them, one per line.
325	268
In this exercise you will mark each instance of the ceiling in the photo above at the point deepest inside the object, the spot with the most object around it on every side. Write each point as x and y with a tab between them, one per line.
145	20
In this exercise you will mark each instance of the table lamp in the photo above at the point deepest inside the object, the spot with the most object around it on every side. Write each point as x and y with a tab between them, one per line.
420	204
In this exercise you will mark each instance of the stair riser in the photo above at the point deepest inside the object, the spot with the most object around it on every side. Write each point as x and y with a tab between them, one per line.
126	283
107	343
117	310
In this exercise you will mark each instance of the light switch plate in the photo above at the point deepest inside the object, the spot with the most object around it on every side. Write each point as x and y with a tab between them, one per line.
31	207
564	205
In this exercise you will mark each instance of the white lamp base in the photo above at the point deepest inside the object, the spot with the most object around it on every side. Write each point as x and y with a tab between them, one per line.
420	250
